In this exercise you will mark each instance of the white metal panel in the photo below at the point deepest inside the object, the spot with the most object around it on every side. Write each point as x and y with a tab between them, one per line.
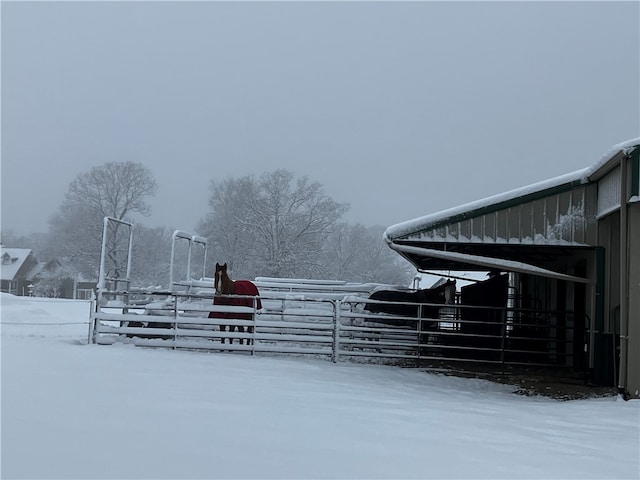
609	192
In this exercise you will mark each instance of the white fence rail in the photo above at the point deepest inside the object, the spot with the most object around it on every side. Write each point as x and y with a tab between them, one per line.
337	329
325	327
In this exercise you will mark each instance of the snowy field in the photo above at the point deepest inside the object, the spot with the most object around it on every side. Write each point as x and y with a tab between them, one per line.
72	410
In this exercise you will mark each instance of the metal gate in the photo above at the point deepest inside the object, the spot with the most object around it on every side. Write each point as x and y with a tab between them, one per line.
334	328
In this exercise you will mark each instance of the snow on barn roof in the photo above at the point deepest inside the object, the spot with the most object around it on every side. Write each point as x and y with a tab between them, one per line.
421	223
11	261
567	180
624	147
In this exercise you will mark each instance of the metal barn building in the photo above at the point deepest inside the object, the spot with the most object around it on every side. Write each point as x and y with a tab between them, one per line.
565	261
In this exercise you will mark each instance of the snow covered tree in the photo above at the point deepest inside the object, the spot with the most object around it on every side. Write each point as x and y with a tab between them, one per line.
56	279
359	254
48	284
115	189
227	227
274	225
277	225
151	256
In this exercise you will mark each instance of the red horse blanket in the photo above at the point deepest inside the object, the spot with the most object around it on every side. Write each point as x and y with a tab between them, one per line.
241	287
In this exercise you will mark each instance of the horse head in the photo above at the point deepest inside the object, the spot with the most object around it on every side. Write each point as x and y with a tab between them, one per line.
444	293
222	282
450	292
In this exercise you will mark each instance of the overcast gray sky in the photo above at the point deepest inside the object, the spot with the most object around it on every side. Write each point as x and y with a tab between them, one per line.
399	109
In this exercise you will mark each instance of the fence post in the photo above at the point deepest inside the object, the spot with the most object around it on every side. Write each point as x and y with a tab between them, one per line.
336	331
419	329
253	330
175	321
92	317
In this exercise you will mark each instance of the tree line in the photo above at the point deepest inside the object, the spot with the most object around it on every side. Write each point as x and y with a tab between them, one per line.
275	225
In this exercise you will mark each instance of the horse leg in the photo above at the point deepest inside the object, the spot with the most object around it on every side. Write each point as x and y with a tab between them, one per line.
250	332
241	330
223	328
427	329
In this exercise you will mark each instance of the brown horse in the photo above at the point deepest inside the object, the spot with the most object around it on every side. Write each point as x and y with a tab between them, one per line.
406	304
226	289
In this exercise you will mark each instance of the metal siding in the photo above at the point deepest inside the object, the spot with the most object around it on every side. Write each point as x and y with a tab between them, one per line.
563	218
489	228
609	192
513	224
539	220
453	231
477	233
590	209
633	352
465	231
502	232
580	225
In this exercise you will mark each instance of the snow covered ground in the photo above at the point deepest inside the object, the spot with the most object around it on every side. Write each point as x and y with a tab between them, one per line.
72	410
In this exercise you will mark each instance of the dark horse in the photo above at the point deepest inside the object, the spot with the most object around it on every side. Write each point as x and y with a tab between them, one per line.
224	287
396	303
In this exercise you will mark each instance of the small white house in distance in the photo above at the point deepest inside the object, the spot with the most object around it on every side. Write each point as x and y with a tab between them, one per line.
565	258
18	268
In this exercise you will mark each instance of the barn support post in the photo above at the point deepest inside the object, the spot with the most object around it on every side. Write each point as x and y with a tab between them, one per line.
503	331
596	295
623	271
337	305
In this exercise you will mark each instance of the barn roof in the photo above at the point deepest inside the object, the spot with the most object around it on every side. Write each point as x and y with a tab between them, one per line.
488	205
518	230
512	197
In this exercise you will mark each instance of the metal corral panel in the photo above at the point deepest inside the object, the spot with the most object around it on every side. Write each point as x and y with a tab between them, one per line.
560	218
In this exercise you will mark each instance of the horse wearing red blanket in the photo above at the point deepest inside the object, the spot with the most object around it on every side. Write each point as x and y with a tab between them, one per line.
225	287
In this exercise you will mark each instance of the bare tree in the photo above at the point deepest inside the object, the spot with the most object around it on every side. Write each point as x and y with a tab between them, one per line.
358	253
277	225
274	225
231	238
116	189
151	256
293	221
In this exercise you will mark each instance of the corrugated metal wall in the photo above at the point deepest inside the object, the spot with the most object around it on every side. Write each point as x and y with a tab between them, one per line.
609	192
566	218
